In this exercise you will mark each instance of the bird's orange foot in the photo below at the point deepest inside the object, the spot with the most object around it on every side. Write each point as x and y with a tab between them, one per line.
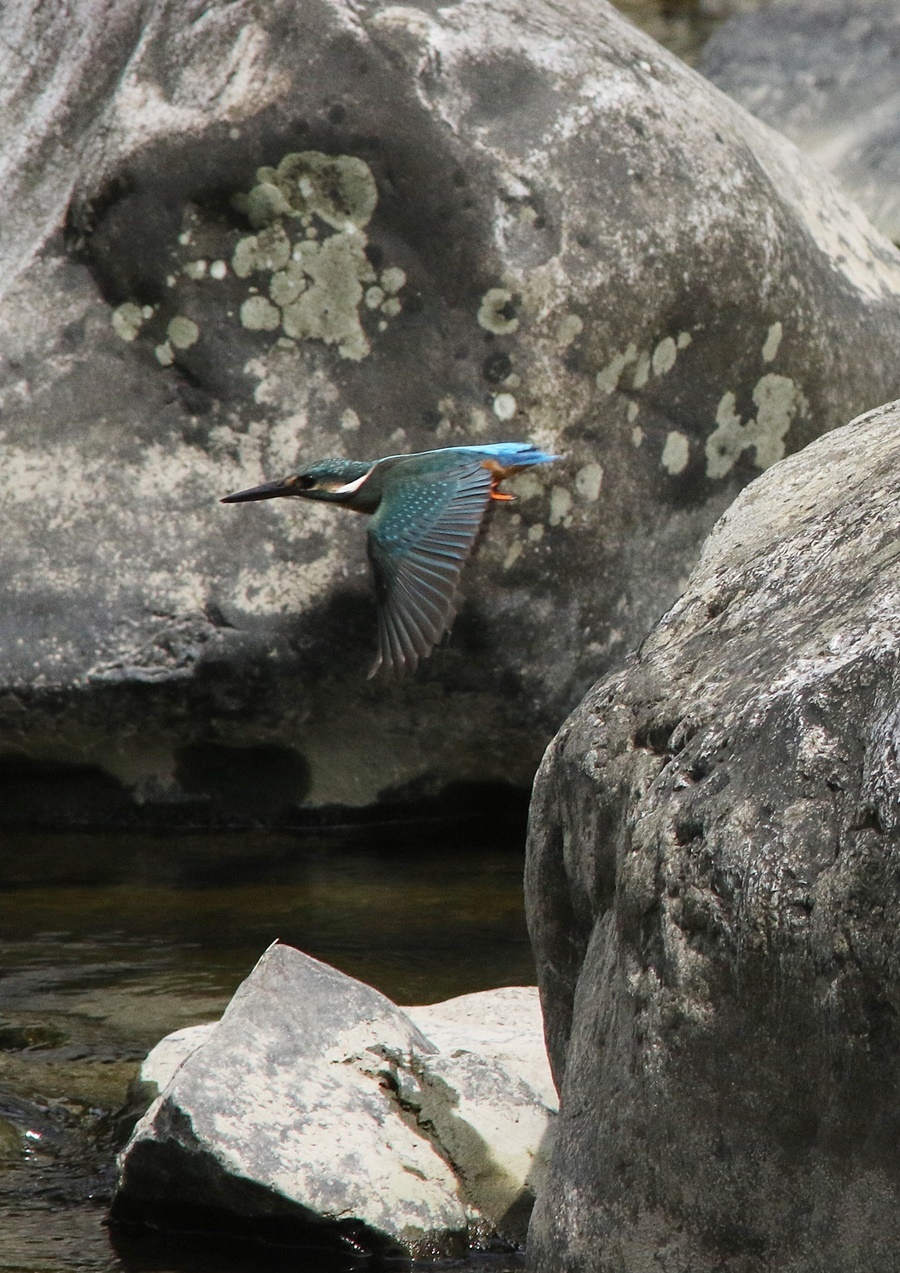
495	494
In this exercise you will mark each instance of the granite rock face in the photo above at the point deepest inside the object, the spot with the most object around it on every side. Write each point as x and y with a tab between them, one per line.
318	1105
824	73
714	902
238	239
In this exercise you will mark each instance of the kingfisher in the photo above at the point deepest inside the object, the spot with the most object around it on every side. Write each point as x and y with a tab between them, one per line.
425	510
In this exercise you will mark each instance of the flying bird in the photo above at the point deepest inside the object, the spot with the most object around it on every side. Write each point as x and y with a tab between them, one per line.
425	510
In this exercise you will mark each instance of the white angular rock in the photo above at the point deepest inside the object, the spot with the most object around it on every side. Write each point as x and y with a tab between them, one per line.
320	1090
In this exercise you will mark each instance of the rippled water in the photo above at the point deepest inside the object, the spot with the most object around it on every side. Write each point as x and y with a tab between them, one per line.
109	942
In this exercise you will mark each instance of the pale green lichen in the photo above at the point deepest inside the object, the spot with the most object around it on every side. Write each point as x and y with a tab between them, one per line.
259	315
569	328
329	309
287	284
772	341
267	251
495	313
196	269
560	507
588	481
338	188
182	332
664	356
641	371
779	401
392	279
608	377
306	260
504	406
676	452
127	320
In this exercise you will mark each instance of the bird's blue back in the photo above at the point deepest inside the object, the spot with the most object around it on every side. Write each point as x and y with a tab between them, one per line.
507	453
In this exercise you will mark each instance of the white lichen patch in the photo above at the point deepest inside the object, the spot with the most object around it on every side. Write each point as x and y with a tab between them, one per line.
779	401
182	332
560	506
535	533
772	341
165	354
568	329
526	485
339	189
127	320
310	213
260	315
676	452
392	279
664	356
504	406
515	552
495	313
287	284
218	270
641	371
268	251
329	309
608	377
196	269
637	436
656	362
588	481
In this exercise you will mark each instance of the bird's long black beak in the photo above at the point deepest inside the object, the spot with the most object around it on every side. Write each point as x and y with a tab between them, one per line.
268	490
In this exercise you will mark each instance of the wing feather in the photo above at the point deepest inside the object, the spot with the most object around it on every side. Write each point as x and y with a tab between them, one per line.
419	540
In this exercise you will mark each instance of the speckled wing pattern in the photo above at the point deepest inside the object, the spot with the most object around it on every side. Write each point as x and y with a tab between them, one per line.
419	540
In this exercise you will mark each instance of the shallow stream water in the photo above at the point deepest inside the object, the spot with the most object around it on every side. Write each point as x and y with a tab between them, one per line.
110	941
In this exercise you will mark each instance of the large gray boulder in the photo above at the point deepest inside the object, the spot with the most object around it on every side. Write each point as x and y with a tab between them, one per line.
714	901
318	1104
242	238
823	72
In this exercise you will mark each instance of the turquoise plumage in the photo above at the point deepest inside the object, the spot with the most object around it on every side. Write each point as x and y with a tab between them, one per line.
426	510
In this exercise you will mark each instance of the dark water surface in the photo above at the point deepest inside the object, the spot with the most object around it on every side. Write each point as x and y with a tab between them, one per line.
108	942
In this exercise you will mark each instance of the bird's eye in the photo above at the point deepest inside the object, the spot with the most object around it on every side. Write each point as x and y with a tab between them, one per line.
305	482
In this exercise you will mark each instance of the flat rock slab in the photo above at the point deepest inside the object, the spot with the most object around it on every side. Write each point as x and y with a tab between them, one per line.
823	72
253	238
319	1106
714	901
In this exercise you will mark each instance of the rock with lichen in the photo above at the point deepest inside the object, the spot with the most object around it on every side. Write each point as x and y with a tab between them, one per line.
714	901
331	229
823	72
319	1110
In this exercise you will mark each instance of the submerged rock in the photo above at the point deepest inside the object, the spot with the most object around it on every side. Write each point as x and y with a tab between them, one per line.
823	72
330	229
714	900
319	1105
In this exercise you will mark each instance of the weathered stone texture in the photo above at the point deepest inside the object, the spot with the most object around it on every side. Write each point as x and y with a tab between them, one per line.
318	1103
823	72
271	234
713	898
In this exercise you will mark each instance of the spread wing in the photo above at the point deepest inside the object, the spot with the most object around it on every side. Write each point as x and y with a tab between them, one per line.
418	542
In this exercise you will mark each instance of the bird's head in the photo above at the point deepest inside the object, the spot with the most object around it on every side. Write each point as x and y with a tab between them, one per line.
334	480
